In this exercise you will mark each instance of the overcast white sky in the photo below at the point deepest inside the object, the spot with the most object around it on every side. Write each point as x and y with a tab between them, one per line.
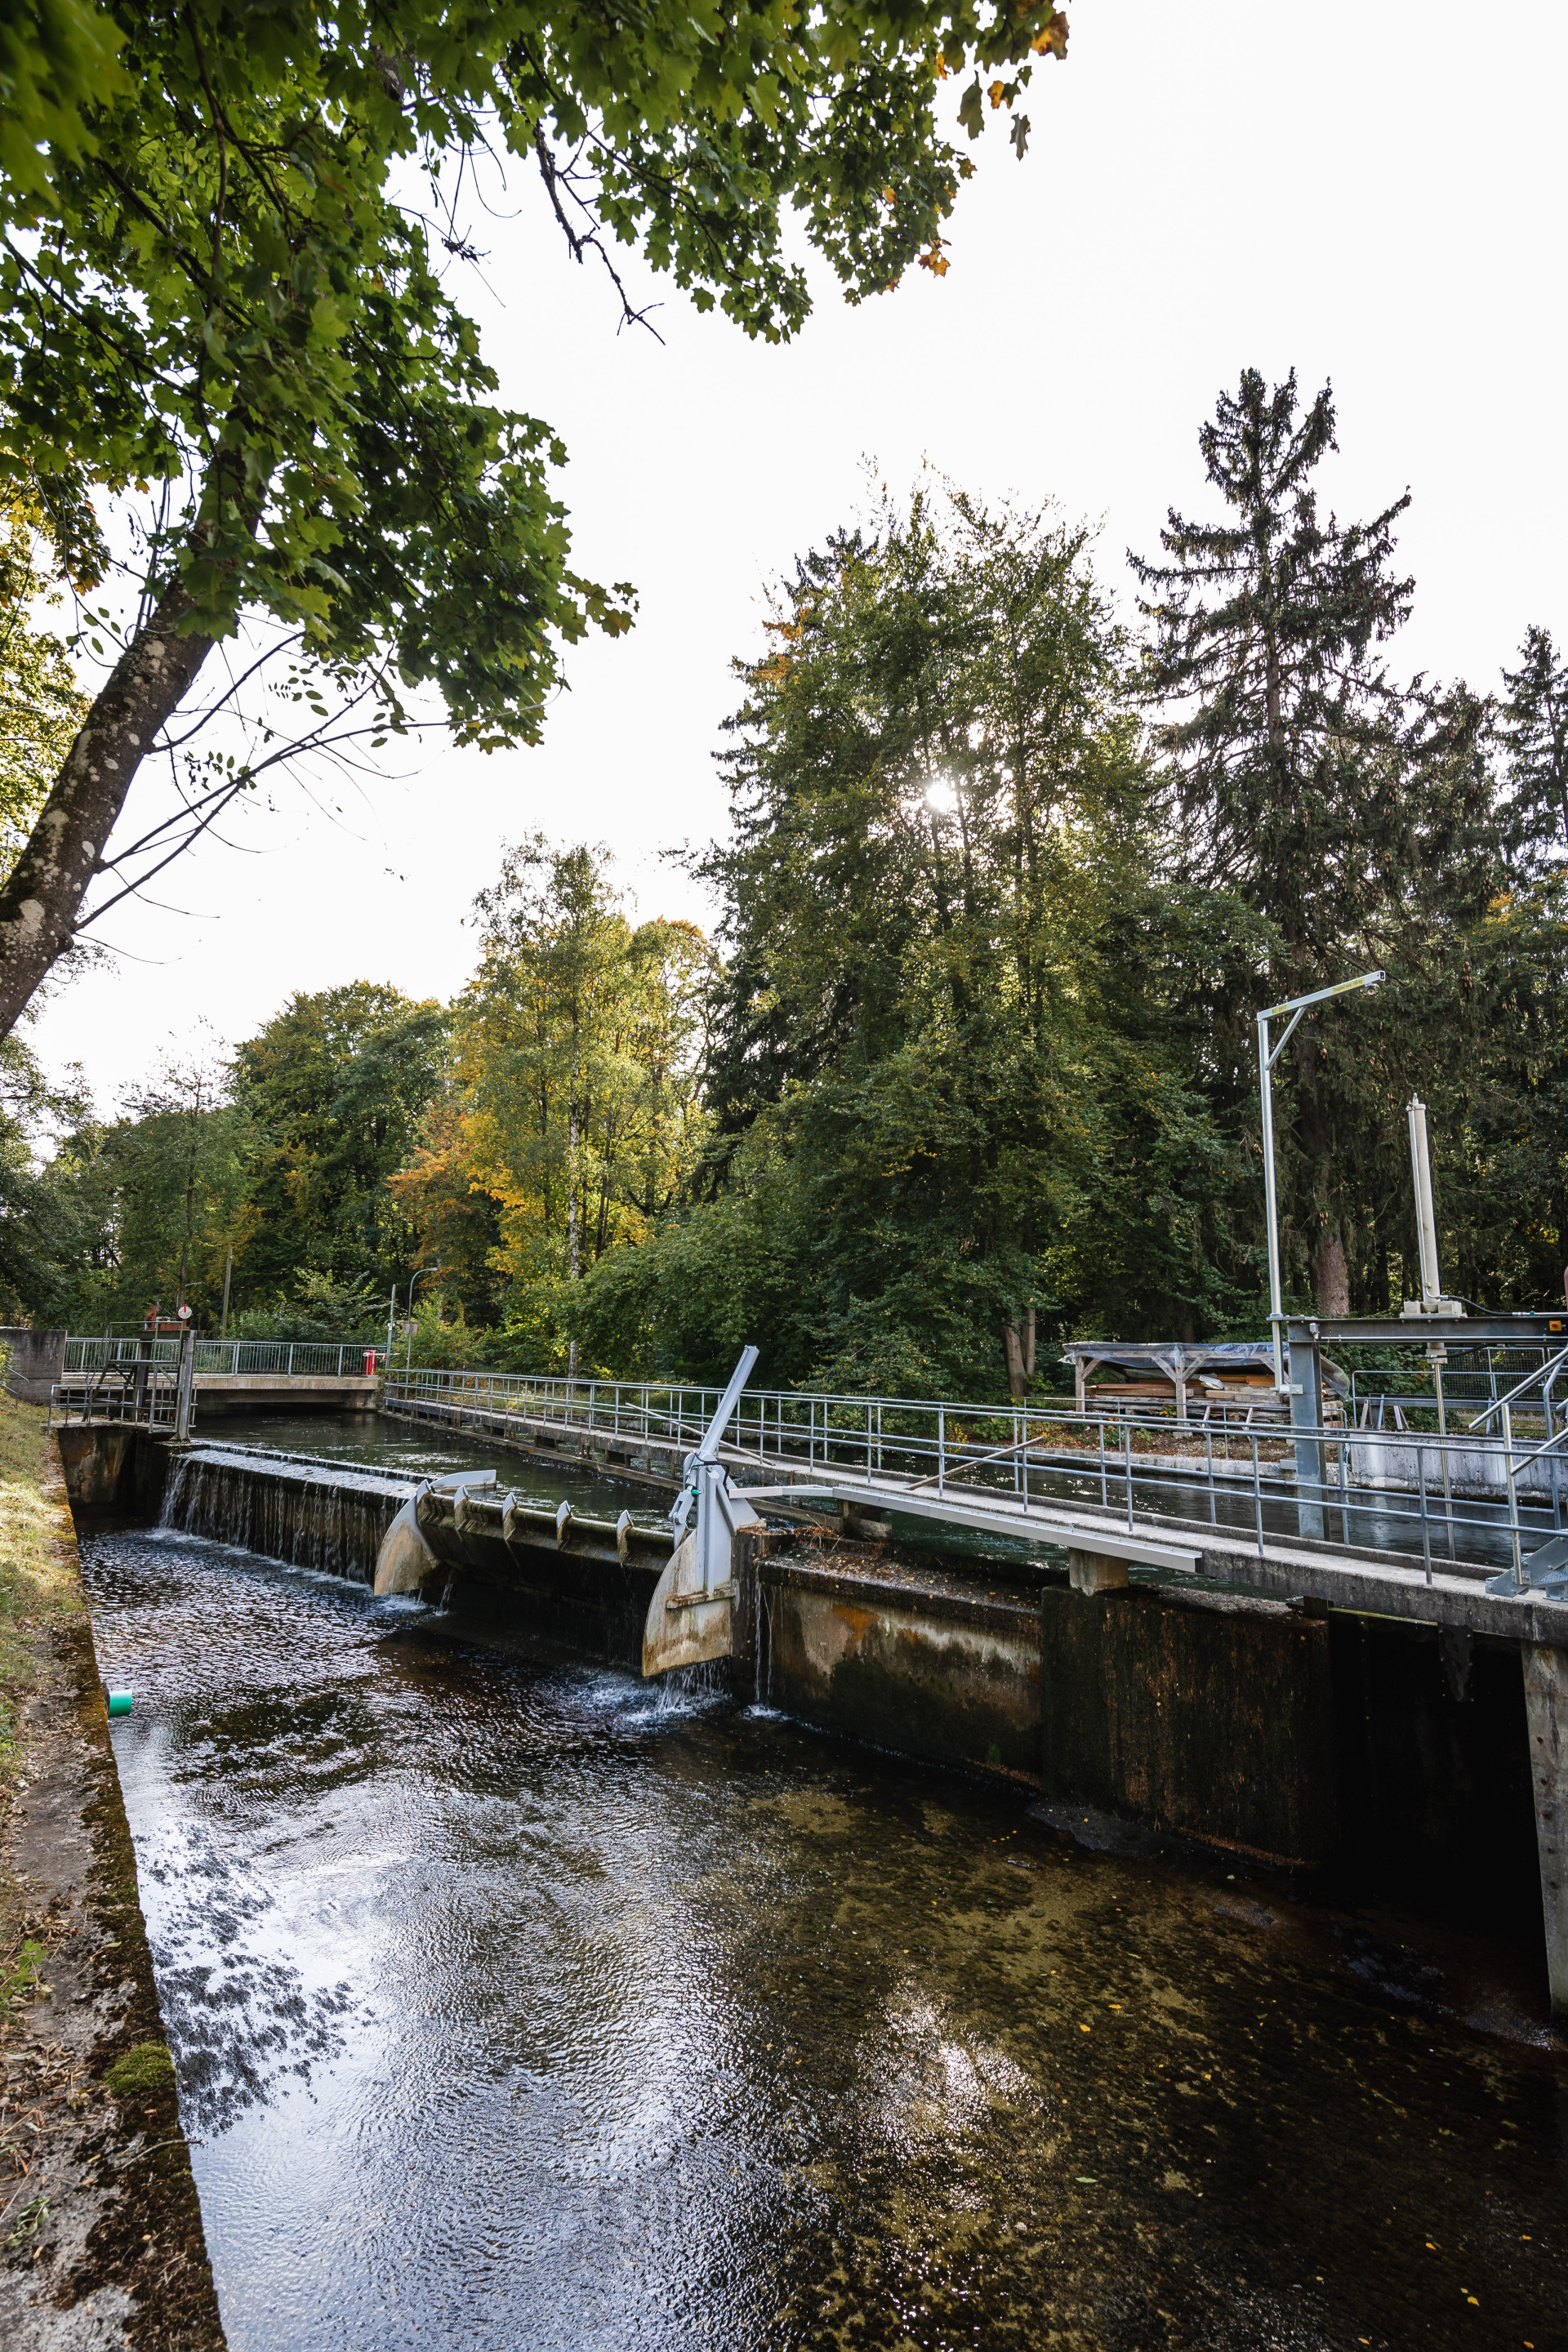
1374	195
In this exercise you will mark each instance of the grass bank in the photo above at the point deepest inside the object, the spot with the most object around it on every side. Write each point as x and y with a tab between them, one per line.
40	1587
100	2232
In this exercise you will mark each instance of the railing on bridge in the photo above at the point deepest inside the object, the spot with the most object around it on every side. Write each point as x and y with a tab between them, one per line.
1480	1499
1473	1377
107	1393
340	1359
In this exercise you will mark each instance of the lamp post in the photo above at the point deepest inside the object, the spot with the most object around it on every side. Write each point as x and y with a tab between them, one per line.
1266	1057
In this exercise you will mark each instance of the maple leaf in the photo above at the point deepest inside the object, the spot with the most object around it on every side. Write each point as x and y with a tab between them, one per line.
998	92
934	259
1052	35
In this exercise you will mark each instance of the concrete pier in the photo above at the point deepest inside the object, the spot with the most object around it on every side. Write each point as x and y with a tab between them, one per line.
1095	1572
1546	1724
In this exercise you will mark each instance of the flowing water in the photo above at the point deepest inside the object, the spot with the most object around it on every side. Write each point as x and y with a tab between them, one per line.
521	2004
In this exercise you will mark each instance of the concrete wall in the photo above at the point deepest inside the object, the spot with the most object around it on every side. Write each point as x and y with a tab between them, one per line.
114	1469
36	1360
1432	1759
1362	1746
579	1594
1206	1713
925	1663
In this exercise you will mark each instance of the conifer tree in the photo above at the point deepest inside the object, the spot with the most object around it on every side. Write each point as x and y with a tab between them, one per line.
1535	730
1300	772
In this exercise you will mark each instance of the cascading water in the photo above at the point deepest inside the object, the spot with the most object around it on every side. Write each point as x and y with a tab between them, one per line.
324	1515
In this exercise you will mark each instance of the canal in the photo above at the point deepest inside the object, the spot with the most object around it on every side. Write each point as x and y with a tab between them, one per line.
517	2002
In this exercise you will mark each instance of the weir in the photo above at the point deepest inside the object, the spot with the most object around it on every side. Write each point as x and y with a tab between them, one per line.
318	1514
1307	1705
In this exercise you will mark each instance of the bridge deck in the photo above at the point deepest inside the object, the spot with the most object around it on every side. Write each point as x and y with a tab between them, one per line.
1380	1581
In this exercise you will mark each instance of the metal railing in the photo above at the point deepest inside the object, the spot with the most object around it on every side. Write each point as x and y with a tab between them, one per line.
342	1358
1471	1377
1471	1499
108	1393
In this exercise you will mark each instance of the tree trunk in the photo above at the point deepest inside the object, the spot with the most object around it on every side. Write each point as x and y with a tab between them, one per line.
1018	1346
41	900
1331	1276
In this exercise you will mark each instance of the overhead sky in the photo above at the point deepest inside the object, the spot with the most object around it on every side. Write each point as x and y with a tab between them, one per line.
1374	195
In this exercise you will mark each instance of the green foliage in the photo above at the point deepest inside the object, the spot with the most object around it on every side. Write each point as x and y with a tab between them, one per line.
146	2068
218	305
1352	817
57	59
1533	726
333	1090
41	1241
41	705
947	1095
153	1198
571	1112
321	1307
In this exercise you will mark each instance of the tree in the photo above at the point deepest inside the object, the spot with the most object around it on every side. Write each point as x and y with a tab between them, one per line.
946	1100
41	1239
154	1199
215	293
577	1046
335	1088
1351	815
1534	730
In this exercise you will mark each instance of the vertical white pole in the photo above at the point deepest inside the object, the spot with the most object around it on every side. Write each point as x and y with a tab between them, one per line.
1425	1220
1266	1102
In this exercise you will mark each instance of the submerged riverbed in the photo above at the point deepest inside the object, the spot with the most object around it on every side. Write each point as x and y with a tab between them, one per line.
520	2003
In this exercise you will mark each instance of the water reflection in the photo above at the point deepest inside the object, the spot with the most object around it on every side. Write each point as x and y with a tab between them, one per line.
517	2003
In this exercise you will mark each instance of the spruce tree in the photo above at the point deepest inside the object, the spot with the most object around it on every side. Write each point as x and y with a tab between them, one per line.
1535	730
1292	757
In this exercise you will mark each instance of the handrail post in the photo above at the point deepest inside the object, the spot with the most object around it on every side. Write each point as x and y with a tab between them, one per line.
1512	1499
1127	1426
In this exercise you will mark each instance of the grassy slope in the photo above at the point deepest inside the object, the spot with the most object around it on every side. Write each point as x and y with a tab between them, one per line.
38	1585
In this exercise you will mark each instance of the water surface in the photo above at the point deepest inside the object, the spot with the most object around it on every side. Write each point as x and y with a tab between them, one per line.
518	2003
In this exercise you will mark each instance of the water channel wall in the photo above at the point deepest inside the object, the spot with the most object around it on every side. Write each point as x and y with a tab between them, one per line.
1299	1735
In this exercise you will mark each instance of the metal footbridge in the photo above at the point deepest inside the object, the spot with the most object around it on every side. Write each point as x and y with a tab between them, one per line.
1462	1528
